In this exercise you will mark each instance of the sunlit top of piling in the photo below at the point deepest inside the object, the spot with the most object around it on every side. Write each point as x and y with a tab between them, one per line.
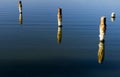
59	11
103	20
113	15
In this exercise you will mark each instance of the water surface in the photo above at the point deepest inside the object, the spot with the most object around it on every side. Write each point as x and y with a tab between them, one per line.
32	49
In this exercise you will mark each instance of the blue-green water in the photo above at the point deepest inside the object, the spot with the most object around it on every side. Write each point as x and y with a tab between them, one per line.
31	49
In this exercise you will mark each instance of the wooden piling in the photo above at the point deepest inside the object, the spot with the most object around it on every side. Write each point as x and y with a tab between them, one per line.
59	16
113	15
102	28
20	6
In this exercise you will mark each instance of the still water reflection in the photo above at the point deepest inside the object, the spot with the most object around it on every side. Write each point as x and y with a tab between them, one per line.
112	19
59	35
20	18
101	51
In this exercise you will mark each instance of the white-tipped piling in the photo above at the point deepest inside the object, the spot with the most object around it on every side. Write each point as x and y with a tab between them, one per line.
101	52
113	15
102	28
59	35
20	6
59	16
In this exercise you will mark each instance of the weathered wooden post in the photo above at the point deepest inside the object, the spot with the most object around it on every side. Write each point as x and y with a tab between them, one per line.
59	35
20	6
59	16
113	15
102	28
20	11
101	52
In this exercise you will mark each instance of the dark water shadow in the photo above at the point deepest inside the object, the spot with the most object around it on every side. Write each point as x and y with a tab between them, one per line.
54	68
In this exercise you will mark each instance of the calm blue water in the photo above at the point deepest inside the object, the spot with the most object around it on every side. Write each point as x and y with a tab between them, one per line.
32	49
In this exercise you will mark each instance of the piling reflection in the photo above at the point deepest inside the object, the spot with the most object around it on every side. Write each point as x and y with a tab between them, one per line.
59	17
101	52
59	35
20	18
112	19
